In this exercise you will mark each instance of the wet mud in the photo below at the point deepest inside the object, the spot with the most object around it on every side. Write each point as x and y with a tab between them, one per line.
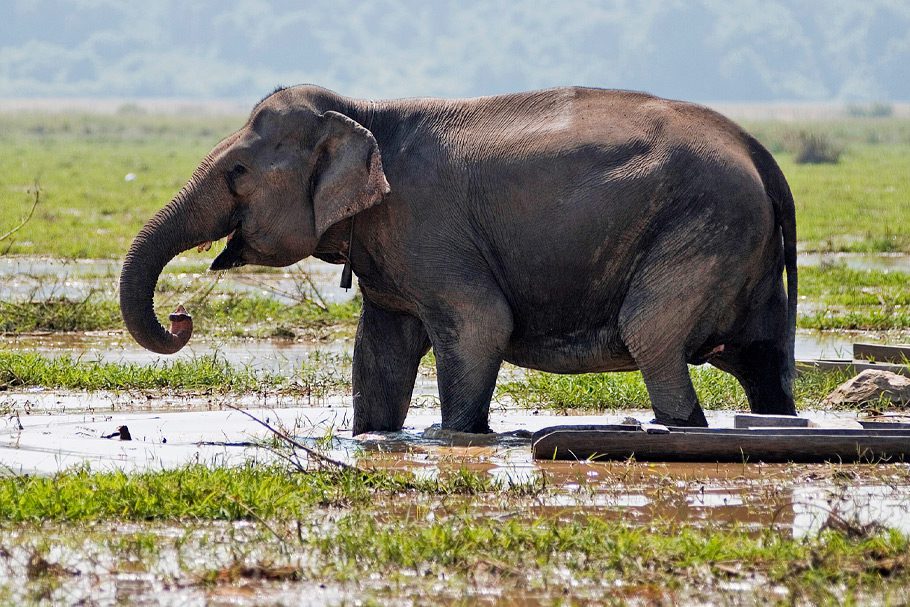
45	432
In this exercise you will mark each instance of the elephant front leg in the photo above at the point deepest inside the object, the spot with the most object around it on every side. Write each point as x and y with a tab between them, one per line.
387	353
469	352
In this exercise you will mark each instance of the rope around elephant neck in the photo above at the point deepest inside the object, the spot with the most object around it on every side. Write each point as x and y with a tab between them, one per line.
346	271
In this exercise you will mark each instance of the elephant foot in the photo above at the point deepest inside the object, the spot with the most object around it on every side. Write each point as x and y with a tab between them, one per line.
695	420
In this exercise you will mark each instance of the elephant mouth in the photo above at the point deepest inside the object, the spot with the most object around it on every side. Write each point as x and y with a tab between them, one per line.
232	255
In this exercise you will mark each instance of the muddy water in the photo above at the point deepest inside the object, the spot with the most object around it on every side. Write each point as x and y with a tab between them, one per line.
45	432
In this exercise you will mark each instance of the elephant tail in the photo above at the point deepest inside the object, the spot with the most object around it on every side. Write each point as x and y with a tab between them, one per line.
781	197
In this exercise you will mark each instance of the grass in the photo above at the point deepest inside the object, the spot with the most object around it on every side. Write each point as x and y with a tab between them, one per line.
860	204
815	148
844	298
203	373
88	208
230	315
596	550
415	536
250	492
318	377
323	374
92	313
596	392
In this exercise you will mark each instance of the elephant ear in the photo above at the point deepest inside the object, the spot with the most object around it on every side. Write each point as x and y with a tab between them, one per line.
349	175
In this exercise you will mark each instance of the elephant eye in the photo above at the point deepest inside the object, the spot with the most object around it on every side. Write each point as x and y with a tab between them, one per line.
232	176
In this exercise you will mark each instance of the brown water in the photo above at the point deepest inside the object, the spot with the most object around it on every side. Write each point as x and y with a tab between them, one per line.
801	498
46	431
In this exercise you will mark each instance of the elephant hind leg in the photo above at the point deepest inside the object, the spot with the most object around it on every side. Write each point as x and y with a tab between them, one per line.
673	397
759	357
763	370
657	347
656	326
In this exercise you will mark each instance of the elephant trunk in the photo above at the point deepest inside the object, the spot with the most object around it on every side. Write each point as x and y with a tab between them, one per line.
189	220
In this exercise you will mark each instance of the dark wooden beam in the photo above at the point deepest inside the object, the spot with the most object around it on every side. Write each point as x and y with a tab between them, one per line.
722	444
752	420
851	366
881	353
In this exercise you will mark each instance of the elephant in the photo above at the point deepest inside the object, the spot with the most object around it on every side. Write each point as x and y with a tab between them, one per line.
568	230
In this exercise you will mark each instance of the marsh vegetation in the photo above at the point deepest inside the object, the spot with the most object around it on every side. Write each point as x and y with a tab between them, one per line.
430	522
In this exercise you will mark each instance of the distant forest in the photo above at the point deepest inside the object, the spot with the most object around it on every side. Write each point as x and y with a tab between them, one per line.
708	50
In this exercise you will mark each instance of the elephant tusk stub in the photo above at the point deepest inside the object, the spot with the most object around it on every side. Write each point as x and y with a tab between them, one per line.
181	323
207	245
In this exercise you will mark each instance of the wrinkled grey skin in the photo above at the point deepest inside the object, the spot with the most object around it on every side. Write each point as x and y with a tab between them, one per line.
569	230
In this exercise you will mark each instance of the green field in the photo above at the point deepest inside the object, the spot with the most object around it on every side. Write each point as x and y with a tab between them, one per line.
88	210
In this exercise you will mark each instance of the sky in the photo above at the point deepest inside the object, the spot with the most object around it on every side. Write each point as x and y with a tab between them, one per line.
701	50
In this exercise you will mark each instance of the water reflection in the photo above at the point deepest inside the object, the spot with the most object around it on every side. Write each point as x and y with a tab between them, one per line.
803	498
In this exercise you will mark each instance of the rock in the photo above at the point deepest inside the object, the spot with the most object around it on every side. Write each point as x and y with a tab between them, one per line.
871	387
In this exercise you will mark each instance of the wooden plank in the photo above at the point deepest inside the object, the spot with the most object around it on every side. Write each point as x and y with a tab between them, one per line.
882	354
873	425
851	366
609	428
754	420
724	445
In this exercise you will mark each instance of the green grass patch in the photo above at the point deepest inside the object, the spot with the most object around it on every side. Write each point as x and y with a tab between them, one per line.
230	494
19	369
597	392
860	204
88	208
594	549
319	376
241	315
231	315
844	298
93	313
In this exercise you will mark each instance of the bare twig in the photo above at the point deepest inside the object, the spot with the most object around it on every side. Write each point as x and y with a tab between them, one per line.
315	455
37	191
320	301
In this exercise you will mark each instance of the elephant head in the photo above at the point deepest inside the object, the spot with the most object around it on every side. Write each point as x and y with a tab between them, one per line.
274	187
